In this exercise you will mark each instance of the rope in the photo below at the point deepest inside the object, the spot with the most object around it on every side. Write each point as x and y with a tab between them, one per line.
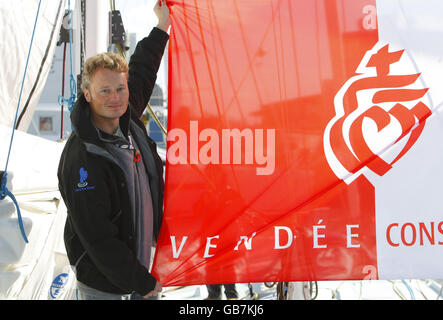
156	119
409	289
72	83
63	91
4	192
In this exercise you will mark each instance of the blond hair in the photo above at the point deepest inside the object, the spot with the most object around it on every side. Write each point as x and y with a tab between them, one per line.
106	60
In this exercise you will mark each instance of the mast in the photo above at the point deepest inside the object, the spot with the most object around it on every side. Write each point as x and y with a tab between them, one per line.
90	20
96	27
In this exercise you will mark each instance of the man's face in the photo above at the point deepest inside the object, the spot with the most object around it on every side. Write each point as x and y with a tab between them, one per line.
107	96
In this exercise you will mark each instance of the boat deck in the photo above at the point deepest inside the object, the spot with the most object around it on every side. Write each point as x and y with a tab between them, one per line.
327	290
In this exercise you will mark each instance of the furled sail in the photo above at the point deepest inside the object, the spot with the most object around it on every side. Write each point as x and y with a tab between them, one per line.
37	269
16	25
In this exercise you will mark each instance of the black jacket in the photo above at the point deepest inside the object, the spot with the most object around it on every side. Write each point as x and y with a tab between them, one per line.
99	230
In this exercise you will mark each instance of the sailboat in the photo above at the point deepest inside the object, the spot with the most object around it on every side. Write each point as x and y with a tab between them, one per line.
33	262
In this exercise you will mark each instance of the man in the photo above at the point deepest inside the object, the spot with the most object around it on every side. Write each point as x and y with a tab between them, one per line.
110	175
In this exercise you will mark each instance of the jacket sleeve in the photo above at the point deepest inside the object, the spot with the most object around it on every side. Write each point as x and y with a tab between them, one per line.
87	194
143	68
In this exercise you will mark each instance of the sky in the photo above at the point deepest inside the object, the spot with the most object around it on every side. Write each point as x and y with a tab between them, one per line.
138	16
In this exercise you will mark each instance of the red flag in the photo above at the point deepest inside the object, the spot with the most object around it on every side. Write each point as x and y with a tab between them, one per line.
260	95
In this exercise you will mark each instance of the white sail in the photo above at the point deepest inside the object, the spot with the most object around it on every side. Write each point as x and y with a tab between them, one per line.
17	23
38	269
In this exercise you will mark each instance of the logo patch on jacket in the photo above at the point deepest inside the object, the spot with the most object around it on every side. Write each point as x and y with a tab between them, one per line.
83	184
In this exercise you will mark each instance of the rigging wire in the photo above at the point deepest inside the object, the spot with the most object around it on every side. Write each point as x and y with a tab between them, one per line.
420	290
4	192
313	297
72	83
63	90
